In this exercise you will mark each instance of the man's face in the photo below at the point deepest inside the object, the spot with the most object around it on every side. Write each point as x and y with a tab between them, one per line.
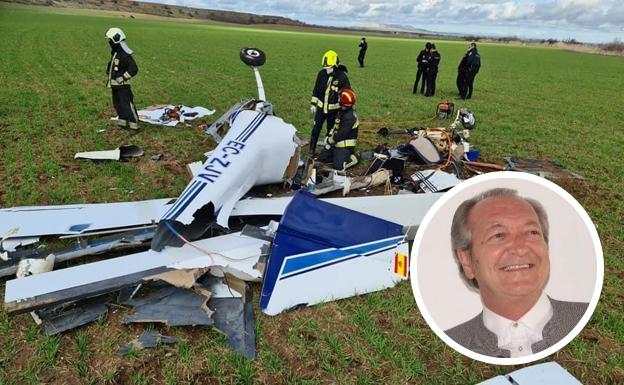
509	256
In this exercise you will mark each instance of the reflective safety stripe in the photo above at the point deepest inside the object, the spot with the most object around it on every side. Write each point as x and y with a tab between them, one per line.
346	143
110	70
353	160
327	89
316	101
126	75
333	106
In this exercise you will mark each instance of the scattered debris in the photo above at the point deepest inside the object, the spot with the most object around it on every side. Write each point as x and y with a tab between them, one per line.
431	181
30	266
317	242
120	153
157	157
232	253
233	316
549	373
117	242
172	306
31	221
550	169
170	115
61	318
13	243
148	339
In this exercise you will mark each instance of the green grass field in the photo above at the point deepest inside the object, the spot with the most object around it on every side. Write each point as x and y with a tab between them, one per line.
529	102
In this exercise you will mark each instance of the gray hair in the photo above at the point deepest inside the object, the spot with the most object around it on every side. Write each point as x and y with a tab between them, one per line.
461	238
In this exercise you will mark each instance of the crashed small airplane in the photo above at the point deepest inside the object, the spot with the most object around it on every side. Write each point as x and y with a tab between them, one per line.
321	250
257	140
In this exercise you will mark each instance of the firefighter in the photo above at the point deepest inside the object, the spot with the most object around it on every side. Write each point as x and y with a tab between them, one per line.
363	47
120	69
330	81
421	62
341	141
432	70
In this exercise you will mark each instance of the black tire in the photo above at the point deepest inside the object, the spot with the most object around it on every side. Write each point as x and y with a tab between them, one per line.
252	56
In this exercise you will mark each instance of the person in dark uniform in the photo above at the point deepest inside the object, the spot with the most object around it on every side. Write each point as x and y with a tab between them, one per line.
330	81
473	65
120	69
421	61
363	47
461	76
432	70
467	70
341	141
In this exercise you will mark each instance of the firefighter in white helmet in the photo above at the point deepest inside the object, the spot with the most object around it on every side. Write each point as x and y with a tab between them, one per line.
330	81
120	69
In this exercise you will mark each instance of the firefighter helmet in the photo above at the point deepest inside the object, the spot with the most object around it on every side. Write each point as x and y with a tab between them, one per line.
116	35
347	97
330	59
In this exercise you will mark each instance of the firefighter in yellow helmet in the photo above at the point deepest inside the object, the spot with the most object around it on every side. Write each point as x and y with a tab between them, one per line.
330	81
121	68
342	139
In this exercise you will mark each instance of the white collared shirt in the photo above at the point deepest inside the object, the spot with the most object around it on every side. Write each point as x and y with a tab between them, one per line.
518	336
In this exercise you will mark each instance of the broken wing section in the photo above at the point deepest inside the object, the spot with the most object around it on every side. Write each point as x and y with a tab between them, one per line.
324	252
256	150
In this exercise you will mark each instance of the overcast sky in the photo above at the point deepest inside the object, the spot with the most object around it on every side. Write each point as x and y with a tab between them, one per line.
596	21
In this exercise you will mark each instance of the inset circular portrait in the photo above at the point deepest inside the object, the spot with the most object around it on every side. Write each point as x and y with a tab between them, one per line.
507	268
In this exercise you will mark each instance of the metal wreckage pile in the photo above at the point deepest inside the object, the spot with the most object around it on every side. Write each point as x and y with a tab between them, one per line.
204	251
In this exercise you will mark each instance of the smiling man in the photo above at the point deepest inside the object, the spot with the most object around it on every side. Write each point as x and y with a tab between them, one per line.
500	241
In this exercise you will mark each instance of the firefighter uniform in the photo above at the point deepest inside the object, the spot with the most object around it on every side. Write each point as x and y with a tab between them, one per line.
342	141
325	97
120	69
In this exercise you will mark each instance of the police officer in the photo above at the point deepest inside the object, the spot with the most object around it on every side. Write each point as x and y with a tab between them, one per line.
421	61
330	81
473	64
120	69
467	70
433	61
363	47
342	139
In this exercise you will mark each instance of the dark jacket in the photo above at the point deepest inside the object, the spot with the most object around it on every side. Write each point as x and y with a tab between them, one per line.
345	131
421	59
474	336
121	64
433	61
363	46
327	88
473	61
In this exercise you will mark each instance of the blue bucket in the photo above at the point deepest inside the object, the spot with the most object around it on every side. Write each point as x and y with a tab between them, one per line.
473	154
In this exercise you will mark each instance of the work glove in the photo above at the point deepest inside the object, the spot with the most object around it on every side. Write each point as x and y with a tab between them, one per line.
312	109
327	142
117	81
